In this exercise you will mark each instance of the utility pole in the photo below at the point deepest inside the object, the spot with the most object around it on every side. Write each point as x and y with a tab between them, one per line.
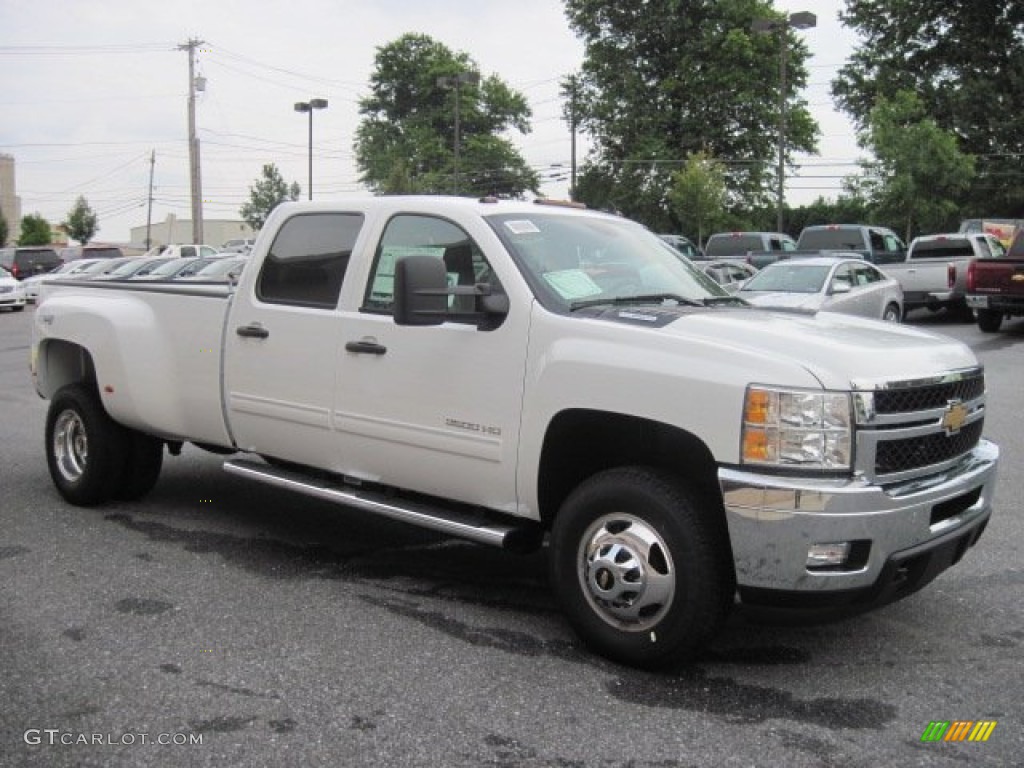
149	209
193	143
455	81
573	84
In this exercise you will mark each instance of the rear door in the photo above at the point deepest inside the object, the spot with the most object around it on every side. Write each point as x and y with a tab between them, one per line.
283	338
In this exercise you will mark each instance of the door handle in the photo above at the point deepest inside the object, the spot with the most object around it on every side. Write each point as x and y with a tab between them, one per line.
366	348
252	331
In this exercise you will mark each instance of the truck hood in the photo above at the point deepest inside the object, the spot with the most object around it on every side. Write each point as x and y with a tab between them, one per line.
836	349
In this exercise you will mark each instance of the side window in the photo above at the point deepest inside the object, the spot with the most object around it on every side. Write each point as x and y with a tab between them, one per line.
188	252
307	260
843	277
865	274
893	244
408	235
998	249
983	247
878	242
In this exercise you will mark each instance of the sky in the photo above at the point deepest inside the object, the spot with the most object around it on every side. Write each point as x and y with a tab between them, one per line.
92	89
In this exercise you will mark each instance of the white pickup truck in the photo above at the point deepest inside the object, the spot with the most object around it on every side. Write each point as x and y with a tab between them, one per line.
529	375
934	274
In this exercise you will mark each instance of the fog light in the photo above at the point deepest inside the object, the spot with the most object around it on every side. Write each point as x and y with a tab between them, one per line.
828	555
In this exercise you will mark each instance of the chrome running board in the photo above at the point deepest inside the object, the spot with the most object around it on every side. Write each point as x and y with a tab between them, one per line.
524	536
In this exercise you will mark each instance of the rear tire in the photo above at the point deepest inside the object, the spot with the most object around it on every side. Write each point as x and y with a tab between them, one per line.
144	457
892	314
641	567
989	320
85	448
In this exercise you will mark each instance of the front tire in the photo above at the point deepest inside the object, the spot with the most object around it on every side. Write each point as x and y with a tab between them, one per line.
892	314
989	320
641	567
85	448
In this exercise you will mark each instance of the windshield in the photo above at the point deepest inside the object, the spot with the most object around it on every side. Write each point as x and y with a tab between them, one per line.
832	239
572	261
128	268
170	268
791	277
221	267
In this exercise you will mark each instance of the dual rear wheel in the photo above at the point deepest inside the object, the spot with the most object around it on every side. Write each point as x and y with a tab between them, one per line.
92	458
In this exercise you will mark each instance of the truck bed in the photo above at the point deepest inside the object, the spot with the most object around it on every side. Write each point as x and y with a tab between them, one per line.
137	371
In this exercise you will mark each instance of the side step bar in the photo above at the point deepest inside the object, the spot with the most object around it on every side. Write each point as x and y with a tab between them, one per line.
525	536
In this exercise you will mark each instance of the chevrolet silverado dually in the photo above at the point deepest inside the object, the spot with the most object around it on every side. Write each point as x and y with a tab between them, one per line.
533	375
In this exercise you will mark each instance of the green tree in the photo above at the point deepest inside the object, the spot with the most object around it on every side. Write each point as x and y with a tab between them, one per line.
82	222
662	79
918	172
965	61
406	139
269	191
35	230
5	230
699	196
848	208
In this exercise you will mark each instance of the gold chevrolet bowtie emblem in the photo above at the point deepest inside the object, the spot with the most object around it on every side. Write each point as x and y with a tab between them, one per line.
954	417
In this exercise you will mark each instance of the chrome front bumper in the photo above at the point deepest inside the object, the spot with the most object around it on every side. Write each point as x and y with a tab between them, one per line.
773	520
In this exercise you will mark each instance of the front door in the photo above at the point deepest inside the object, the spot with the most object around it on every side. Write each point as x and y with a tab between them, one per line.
433	409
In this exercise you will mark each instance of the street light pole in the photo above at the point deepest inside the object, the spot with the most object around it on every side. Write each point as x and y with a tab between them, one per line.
800	20
309	106
455	81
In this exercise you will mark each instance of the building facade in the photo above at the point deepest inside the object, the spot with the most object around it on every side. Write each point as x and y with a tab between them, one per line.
172	230
10	203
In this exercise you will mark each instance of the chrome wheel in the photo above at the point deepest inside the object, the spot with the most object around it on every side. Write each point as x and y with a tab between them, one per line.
626	572
70	445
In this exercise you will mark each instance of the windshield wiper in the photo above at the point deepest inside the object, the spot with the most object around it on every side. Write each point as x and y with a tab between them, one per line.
711	301
644	298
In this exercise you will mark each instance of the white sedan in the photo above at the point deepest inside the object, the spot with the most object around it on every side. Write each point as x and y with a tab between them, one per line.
826	284
31	284
12	294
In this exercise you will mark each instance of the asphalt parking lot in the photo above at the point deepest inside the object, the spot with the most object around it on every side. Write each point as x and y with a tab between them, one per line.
218	623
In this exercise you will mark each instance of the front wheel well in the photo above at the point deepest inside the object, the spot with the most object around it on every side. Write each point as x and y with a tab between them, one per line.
580	443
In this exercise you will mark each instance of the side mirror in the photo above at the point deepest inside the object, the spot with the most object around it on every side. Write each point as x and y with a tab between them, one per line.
840	287
421	291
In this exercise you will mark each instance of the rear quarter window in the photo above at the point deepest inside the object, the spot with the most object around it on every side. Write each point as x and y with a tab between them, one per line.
942	249
832	239
733	245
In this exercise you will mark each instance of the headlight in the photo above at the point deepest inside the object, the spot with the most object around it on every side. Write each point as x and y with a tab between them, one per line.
796	428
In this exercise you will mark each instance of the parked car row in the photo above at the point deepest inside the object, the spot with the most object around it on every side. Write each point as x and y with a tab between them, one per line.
12	293
220	267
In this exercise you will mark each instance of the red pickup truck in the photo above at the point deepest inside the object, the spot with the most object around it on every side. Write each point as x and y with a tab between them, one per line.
995	287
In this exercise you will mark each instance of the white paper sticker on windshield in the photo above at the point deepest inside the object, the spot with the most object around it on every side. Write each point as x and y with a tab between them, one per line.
384	278
572	284
523	227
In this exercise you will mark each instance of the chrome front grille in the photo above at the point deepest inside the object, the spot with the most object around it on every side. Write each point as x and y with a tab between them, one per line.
910	429
916	452
907	400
